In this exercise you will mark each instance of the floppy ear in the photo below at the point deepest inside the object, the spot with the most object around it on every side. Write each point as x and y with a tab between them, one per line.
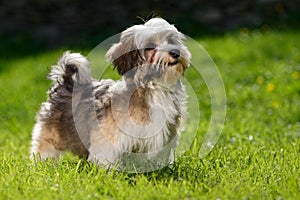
124	57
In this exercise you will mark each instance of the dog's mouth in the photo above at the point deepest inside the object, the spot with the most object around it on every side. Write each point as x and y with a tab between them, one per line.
173	63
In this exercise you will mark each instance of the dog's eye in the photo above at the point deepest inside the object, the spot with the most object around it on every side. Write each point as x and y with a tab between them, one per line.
150	46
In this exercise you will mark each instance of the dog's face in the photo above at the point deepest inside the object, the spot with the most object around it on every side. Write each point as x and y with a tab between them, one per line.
154	50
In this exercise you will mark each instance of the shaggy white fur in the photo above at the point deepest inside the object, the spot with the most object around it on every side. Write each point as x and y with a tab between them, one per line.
134	121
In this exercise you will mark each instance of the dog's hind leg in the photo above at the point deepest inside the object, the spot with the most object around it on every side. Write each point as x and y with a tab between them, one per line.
44	142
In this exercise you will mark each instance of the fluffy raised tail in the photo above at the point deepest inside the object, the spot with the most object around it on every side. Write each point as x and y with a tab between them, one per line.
71	68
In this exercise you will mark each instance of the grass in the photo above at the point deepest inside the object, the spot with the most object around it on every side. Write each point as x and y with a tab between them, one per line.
256	157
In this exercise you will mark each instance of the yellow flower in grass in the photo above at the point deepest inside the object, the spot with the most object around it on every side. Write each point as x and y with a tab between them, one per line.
270	87
260	80
295	75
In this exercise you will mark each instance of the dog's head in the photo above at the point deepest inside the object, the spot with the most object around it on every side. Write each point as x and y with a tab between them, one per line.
154	50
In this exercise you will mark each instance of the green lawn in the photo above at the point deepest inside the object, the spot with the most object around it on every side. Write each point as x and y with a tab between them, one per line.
256	157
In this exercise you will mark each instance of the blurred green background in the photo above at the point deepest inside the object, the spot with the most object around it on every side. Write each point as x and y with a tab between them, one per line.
28	26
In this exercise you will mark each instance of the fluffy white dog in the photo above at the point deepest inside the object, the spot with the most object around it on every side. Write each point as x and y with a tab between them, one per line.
138	118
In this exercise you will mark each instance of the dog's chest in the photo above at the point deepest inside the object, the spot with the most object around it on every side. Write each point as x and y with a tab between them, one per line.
140	120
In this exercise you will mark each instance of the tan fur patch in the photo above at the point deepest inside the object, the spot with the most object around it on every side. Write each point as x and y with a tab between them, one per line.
106	129
51	143
110	129
48	139
138	107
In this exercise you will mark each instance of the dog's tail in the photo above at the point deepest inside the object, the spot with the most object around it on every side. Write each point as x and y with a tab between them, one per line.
71	68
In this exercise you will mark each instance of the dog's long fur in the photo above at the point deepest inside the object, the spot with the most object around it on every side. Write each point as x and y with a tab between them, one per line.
142	114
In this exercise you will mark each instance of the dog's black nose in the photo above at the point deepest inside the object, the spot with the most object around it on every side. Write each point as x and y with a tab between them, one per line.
175	53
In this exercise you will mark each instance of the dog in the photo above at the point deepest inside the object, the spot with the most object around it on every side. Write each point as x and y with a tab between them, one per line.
139	117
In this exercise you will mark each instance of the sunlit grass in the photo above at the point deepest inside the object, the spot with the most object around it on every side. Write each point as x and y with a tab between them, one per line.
256	157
